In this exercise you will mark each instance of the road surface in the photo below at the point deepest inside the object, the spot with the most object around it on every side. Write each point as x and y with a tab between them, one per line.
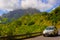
45	38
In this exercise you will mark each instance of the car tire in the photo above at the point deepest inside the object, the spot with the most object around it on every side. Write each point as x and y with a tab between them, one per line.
56	34
45	35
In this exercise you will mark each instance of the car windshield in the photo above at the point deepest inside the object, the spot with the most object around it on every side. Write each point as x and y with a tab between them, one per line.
50	28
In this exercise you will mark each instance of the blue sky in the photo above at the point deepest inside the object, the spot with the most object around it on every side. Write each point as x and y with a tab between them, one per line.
42	5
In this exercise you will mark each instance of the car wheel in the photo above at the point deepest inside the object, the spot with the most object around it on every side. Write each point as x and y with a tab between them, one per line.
56	34
45	35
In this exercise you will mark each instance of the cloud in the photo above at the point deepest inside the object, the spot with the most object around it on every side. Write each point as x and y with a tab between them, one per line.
42	5
9	4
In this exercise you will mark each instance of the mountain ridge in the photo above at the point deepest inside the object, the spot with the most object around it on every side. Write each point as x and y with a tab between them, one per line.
20	12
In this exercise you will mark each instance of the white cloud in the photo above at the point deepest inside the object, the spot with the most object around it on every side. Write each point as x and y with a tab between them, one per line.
52	1
38	4
9	4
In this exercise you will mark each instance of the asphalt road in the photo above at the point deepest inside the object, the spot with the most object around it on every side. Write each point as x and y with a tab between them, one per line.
45	38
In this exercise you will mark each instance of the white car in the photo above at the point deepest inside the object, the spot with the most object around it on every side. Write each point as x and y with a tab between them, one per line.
51	30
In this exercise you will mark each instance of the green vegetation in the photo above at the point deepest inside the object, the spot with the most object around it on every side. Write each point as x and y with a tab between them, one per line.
30	23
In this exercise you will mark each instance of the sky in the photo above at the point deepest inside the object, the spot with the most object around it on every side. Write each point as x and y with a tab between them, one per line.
42	5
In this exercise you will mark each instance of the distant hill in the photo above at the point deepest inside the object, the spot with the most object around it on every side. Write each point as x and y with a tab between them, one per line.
12	15
18	13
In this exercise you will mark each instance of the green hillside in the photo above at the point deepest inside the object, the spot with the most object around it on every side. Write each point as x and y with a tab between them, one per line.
30	23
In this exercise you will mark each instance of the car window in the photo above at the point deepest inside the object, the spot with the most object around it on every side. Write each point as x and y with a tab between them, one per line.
49	28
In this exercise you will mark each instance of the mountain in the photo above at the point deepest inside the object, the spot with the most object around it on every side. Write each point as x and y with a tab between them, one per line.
20	12
12	15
